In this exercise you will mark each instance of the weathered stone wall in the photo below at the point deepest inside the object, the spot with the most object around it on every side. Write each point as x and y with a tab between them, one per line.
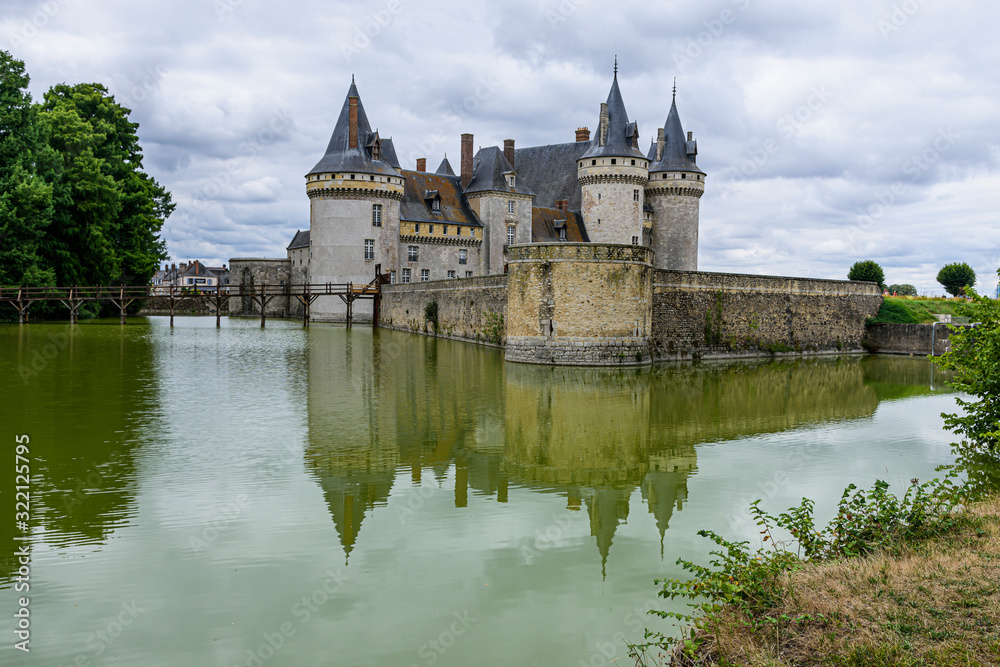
698	314
676	206
251	271
437	258
579	304
608	202
908	338
473	309
160	305
491	208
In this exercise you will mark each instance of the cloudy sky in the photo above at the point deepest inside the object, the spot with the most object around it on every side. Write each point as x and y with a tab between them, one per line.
830	131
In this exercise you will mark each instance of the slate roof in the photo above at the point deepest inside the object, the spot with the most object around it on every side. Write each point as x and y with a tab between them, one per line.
550	172
300	240
545	224
445	167
676	147
389	151
339	157
488	169
620	130
196	268
448	189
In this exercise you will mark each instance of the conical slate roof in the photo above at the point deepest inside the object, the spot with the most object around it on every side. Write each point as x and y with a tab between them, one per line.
620	130
675	148
340	157
445	168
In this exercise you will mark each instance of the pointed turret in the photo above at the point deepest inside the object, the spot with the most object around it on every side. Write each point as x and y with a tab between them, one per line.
674	151
353	146
445	168
616	136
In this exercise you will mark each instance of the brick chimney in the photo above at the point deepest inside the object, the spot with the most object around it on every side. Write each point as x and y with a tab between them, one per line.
466	160
562	205
660	143
508	150
352	130
583	134
602	129
421	164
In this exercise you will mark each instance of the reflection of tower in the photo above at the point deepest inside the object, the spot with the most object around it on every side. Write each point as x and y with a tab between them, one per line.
665	486
348	496
607	508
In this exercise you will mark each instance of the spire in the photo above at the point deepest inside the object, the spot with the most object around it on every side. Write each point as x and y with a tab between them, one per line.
616	67
618	139
677	152
675	89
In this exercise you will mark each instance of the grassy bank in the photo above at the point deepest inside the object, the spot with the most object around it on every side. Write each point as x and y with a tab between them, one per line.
935	601
917	310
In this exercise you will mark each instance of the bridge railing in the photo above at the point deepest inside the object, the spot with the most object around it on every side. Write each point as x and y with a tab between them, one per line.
101	292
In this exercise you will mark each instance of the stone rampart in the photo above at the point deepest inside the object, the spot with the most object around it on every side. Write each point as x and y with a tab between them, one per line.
160	305
473	309
248	272
700	314
579	304
908	338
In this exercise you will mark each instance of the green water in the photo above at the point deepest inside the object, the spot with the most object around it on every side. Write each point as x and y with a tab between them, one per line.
349	497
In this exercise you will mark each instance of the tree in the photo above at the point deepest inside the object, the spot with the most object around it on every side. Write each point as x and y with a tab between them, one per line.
867	270
25	198
956	277
903	290
107	211
975	359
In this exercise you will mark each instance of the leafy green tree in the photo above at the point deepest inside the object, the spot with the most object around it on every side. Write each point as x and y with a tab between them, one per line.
867	270
903	290
975	358
25	198
107	211
956	277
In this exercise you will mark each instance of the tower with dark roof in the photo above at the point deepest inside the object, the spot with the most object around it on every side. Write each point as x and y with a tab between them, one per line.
354	193
612	174
675	187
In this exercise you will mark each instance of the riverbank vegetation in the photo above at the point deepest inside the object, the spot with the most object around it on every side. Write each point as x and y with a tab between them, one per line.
889	582
918	310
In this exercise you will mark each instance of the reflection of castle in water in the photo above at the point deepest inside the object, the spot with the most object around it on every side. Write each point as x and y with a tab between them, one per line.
593	435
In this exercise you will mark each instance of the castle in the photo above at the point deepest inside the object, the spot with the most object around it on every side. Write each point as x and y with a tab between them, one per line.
366	210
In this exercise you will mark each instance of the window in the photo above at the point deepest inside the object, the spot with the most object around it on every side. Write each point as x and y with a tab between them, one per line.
684	175
411	253
435	205
635	240
598	196
468	274
406	276
614	161
593	163
562	234
511	234
425	275
451	274
463	256
633	163
430	229
369	248
635	195
376	215
416	228
392	277
511	207
445	230
352	177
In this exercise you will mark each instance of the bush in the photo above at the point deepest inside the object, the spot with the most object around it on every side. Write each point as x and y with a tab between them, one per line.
903	290
867	270
956	277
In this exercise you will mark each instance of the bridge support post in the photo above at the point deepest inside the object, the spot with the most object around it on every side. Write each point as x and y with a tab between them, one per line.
263	306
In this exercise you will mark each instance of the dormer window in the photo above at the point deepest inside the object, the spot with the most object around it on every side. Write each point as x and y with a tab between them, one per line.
562	234
435	204
510	180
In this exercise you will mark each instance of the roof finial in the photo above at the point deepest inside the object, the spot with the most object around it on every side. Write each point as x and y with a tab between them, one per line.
616	65
352	77
675	88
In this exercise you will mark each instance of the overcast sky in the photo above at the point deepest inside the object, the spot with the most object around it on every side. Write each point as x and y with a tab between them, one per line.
830	131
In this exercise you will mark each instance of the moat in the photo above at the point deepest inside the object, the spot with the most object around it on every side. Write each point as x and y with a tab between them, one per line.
333	496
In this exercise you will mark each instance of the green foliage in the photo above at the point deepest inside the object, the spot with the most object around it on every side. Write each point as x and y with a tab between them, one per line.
902	290
868	270
493	328
25	198
894	311
975	359
752	582
956	277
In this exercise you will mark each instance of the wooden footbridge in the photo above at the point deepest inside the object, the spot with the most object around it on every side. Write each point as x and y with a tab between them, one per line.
122	296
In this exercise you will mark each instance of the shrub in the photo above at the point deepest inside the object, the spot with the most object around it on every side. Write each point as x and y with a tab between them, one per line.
956	277
903	290
867	270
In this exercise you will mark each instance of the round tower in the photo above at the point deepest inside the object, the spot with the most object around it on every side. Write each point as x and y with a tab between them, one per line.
354	195
613	174
675	187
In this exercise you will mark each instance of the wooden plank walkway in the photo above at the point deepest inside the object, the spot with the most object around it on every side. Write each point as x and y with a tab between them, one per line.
22	298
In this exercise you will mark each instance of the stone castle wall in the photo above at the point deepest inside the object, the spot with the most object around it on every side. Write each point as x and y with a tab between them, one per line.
908	338
579	304
675	222
697	314
248	272
473	309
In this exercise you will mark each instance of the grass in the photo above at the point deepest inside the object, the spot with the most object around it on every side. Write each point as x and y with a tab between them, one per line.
930	602
916	310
